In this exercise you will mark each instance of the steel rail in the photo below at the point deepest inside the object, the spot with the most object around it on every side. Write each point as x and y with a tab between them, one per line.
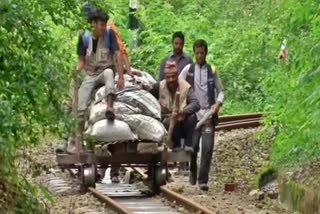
247	124
114	205
227	118
185	202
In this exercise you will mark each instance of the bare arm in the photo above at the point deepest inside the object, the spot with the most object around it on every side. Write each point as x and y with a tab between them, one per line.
126	63
119	61
120	83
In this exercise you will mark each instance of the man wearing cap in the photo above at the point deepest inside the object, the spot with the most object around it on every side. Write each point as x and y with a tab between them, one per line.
165	91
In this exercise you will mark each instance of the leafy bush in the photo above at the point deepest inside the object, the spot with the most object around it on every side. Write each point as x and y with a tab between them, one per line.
293	87
238	34
35	59
244	38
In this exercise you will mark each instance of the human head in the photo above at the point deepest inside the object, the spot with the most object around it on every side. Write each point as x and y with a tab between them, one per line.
200	49
171	75
98	20
177	42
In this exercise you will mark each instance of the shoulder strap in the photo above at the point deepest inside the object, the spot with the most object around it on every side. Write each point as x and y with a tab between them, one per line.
190	68
213	69
86	38
107	38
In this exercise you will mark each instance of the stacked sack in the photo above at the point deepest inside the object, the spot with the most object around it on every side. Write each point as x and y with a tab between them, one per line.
137	114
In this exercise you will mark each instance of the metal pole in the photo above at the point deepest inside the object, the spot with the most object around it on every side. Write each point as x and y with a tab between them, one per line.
133	23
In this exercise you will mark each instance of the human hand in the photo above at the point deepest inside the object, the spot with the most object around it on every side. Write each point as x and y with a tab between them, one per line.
120	83
282	54
175	114
216	107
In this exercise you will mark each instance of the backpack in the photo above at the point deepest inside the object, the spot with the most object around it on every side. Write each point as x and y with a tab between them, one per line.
106	37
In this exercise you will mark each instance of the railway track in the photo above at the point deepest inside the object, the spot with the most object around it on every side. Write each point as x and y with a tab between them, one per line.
127	198
228	122
130	199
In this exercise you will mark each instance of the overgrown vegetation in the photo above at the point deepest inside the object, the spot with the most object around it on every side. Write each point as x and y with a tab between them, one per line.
244	39
35	57
37	49
292	89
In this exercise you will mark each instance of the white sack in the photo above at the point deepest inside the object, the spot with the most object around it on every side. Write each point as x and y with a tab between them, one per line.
98	111
142	100
146	128
110	131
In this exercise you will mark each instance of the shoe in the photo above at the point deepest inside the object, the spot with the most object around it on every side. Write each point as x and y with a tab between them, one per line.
115	179
204	187
188	149
192	179
110	113
176	149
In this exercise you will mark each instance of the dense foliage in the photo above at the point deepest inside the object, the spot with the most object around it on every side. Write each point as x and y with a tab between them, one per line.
244	39
37	49
292	89
35	44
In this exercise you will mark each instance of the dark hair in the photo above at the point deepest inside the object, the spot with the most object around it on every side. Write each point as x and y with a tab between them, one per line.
200	43
98	14
178	34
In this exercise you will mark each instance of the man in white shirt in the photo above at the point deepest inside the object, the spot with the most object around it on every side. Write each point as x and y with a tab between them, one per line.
205	82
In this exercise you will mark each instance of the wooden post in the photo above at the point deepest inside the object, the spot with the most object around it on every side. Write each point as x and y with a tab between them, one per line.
76	133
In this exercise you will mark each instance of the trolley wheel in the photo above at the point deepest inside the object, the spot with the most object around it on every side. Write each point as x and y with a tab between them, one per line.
158	176
88	176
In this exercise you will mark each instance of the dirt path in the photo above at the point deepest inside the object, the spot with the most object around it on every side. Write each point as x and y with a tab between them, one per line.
38	165
237	157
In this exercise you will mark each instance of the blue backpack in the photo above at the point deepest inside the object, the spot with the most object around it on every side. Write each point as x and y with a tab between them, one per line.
106	37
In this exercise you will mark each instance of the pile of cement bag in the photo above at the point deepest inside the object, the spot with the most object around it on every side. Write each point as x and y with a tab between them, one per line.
137	114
